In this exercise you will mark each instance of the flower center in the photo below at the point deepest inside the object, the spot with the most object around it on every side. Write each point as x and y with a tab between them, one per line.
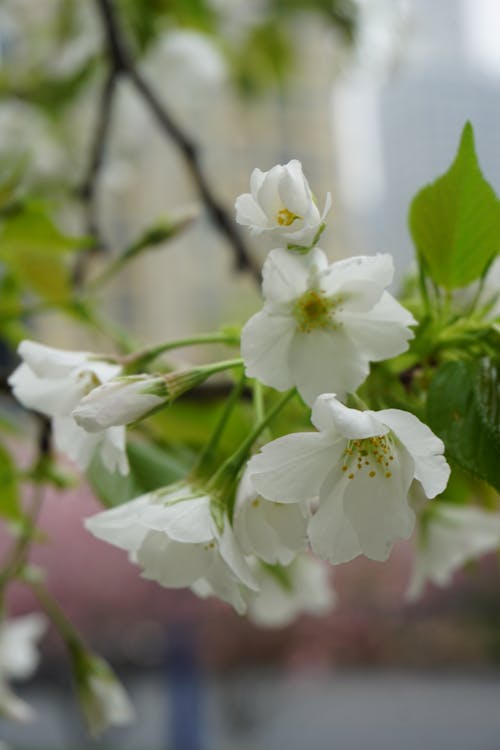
373	455
314	310
285	217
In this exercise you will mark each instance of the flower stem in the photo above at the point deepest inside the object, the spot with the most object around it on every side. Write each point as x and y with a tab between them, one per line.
258	401
141	358
225	478
206	456
67	630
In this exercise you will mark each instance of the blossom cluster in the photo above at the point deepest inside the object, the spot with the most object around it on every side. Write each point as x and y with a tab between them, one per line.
257	533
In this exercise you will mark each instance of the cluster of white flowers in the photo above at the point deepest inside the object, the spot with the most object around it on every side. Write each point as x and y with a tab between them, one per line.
344	489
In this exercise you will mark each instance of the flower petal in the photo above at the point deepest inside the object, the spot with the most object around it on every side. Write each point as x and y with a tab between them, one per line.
382	334
48	362
292	468
186	521
324	361
265	343
272	531
249	213
285	274
74	442
294	190
426	449
377	507
330	414
330	531
377	269
113	450
173	564
233	557
49	396
121	526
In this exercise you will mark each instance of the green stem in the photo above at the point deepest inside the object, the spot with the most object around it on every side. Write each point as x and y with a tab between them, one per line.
258	401
226	476
67	630
206	456
226	364
119	335
19	552
148	355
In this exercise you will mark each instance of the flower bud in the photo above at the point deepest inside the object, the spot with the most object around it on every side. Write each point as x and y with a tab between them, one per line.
129	398
102	697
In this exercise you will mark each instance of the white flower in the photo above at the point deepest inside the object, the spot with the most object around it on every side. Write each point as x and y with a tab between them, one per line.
52	381
322	324
286	593
102	697
171	533
281	204
449	536
18	660
273	532
360	466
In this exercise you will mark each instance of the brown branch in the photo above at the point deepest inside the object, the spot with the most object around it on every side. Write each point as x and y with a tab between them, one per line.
122	61
87	191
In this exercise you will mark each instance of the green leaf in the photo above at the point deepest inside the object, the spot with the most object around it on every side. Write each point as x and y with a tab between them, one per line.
154	467
463	408
33	248
9	495
455	221
150	467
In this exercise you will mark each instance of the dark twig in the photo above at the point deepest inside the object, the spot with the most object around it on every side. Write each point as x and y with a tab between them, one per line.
122	62
88	189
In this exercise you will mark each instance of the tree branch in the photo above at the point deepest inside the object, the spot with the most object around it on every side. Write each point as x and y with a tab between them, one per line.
122	61
88	189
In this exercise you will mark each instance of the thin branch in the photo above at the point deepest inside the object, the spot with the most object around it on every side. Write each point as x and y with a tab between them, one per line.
122	61
88	189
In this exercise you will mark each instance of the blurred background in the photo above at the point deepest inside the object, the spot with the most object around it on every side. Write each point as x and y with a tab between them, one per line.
371	96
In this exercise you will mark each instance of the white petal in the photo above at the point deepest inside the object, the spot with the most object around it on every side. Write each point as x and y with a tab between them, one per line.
74	442
12	707
378	269
233	557
274	532
325	361
265	343
377	507
256	179
267	194
453	535
19	654
294	191
310	592
331	414
117	402
48	362
285	274
121	526
49	396
426	449
186	521
382	333
171	563
249	213
113	450
330	531
220	582
292	468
